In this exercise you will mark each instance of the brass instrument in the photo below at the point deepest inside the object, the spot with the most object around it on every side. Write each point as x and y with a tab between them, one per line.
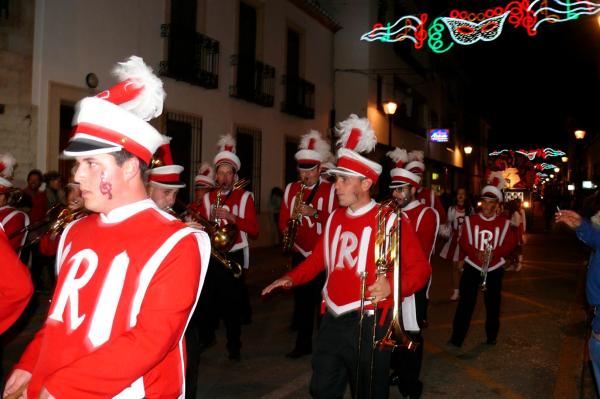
487	258
295	220
215	251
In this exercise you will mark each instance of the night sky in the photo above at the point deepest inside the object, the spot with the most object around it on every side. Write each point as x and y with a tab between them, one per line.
536	90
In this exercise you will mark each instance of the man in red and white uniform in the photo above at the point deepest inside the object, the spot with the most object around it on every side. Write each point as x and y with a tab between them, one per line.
12	220
482	231
164	181
425	195
347	251
115	328
406	364
225	294
319	201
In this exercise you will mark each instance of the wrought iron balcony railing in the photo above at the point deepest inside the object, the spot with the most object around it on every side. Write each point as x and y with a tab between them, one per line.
299	97
253	80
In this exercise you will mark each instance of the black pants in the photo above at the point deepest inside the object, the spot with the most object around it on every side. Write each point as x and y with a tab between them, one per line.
469	288
335	359
222	299
307	304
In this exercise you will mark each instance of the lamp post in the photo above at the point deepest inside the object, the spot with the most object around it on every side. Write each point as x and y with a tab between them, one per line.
389	107
579	136
468	149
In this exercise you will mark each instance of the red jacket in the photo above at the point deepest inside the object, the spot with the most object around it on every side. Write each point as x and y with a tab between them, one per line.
478	231
308	233
14	222
127	285
15	285
428	197
347	248
426	223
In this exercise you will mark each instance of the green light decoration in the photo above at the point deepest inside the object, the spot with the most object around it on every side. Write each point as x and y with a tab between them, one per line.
466	28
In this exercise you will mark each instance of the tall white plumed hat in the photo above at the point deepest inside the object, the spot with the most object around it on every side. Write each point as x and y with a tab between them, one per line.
312	151
226	154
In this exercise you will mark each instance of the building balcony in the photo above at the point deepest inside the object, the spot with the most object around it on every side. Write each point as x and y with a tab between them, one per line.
192	57
299	97
253	80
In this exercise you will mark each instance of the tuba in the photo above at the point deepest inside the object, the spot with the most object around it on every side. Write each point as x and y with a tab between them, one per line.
223	237
292	225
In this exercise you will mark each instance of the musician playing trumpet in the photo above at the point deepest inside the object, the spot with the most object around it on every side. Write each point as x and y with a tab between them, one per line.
226	296
346	250
302	218
484	230
406	364
12	220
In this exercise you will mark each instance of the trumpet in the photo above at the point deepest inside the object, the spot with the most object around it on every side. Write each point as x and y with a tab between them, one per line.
217	239
292	225
487	258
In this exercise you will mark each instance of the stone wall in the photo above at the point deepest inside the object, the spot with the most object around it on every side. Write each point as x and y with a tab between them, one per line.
18	120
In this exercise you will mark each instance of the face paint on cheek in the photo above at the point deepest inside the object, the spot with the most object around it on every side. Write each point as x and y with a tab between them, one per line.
105	186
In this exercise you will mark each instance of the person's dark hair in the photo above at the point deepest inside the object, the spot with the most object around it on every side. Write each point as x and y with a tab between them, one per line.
468	202
35	172
124	155
52	175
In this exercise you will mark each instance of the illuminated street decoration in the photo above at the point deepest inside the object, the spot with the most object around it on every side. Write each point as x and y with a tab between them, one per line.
465	28
531	154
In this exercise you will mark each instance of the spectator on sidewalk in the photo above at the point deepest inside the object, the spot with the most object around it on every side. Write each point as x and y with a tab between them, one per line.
589	233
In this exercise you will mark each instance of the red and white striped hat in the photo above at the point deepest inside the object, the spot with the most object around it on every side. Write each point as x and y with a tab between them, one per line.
7	165
116	119
356	136
5	185
400	175
205	177
415	162
226	154
496	182
167	175
313	150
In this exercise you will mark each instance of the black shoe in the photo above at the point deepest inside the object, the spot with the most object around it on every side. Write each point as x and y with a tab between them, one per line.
416	391
296	353
491	342
235	356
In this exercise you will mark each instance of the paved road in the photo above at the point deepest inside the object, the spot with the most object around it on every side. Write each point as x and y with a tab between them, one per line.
540	350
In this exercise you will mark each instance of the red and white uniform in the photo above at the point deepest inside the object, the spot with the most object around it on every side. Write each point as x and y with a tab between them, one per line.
241	204
451	249
428	197
15	284
13	221
479	231
516	221
127	284
346	249
426	221
308	233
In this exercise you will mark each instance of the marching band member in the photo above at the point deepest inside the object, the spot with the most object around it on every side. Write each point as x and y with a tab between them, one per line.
164	181
15	285
426	195
317	203
12	220
406	364
115	326
482	231
451	231
227	295
345	250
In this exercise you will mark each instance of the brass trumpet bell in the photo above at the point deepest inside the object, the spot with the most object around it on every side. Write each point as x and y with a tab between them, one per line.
224	237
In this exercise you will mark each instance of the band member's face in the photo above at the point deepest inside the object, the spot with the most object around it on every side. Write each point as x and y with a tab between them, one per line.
349	189
163	197
74	200
54	184
34	182
488	207
461	195
3	199
403	195
199	193
309	177
100	181
224	177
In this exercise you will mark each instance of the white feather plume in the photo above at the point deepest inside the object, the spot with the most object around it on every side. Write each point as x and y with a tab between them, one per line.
149	103
367	140
226	140
321	146
416	155
497	179
206	170
7	165
398	154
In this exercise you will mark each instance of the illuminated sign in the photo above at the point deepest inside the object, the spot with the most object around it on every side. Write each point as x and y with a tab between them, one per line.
439	135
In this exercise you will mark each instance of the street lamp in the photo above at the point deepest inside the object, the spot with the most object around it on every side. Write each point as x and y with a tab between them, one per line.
557	169
579	134
468	150
389	107
564	159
